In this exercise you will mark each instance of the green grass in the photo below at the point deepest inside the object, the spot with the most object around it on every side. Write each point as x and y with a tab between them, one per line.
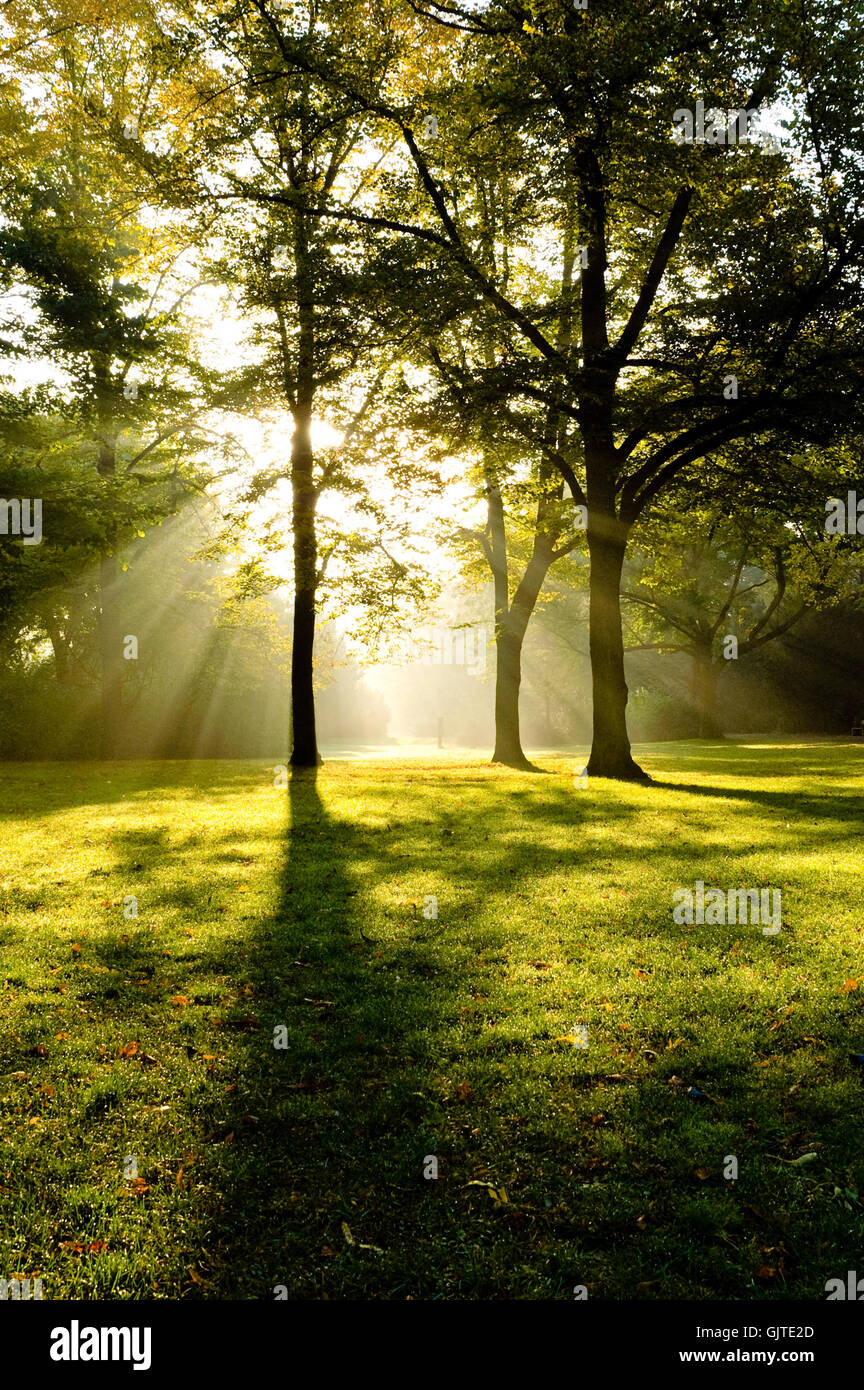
409	1036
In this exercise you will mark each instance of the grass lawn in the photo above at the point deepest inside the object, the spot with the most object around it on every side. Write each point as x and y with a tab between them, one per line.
155	1143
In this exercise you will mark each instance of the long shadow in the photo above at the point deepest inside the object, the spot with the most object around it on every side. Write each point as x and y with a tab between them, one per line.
337	1128
829	806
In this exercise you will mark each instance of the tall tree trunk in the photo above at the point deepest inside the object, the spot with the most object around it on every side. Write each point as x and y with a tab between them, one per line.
508	678
704	691
508	648
304	749
610	745
304	752
508	666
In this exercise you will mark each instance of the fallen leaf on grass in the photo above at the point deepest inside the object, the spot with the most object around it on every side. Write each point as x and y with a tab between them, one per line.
346	1231
179	1000
463	1092
848	986
128	1049
498	1195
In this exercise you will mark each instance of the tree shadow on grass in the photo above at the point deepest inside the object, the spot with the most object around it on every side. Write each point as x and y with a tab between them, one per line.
829	806
337	1128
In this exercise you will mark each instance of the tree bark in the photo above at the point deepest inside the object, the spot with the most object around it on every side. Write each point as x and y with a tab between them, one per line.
304	751
508	679
610	745
511	623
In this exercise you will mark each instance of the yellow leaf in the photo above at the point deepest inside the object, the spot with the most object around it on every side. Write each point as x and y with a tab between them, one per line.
346	1231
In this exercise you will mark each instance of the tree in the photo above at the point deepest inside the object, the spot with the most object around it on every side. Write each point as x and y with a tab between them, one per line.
105	287
719	588
720	294
274	152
